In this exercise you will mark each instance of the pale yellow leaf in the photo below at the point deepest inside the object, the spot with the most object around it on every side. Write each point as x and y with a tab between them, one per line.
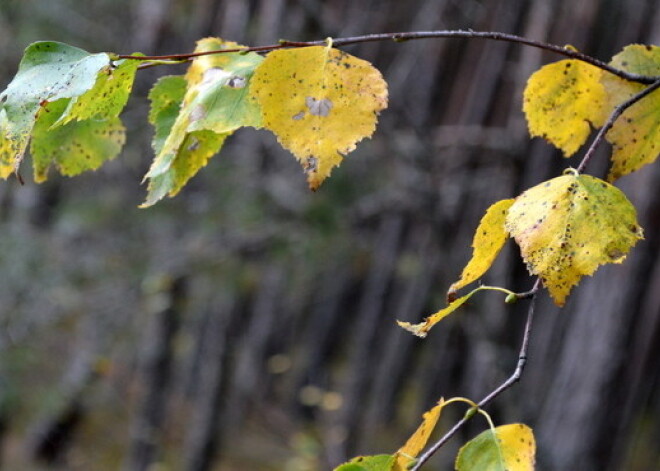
635	136
561	99
568	226
319	102
488	240
418	440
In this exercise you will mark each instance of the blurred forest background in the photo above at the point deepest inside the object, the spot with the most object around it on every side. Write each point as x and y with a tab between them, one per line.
248	324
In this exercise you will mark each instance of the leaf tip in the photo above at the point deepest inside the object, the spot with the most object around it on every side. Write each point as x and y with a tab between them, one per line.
416	329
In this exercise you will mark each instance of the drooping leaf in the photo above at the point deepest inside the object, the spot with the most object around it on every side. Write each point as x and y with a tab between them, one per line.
422	329
506	448
107	98
49	71
74	147
222	102
210	103
319	102
568	226
194	151
561	99
489	238
368	463
418	440
635	136
166	97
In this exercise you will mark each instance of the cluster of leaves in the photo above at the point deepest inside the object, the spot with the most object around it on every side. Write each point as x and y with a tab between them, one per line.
507	447
64	104
318	101
568	226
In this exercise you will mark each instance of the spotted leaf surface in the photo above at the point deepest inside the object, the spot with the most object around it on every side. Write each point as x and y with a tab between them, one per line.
193	152
319	102
568	226
49	71
214	103
561	99
368	463
107	98
506	448
75	147
489	238
635	136
408	453
220	100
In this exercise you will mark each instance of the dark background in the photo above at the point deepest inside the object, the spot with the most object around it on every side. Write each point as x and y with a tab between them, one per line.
248	324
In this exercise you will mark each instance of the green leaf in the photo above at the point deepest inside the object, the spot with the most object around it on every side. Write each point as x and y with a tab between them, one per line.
320	102
194	152
49	71
506	448
75	147
166	97
368	463
107	98
568	226
561	99
489	238
635	136
194	115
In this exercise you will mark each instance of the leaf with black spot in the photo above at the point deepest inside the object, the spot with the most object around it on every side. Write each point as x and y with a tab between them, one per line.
568	226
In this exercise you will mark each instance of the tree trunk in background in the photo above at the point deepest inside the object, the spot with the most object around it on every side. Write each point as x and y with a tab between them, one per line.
164	301
285	354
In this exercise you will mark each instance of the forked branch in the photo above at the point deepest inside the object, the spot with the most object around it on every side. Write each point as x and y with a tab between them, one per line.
514	378
618	111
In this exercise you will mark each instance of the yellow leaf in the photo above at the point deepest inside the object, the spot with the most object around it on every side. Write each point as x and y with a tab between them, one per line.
319	102
635	136
417	441
422	329
508	447
568	226
560	100
488	240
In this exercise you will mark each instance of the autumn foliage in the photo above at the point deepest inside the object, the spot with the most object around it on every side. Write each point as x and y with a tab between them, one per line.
64	105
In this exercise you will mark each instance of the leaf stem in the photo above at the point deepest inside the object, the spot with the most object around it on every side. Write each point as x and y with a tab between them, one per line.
612	119
413	35
514	378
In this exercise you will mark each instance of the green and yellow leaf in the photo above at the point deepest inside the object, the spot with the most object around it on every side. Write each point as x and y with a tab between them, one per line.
568	226
635	136
407	454
211	102
74	147
193	152
107	98
506	448
368	463
49	71
561	99
489	238
320	102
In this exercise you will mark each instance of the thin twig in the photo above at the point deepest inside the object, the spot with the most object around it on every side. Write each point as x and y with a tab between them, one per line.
515	377
618	111
408	36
